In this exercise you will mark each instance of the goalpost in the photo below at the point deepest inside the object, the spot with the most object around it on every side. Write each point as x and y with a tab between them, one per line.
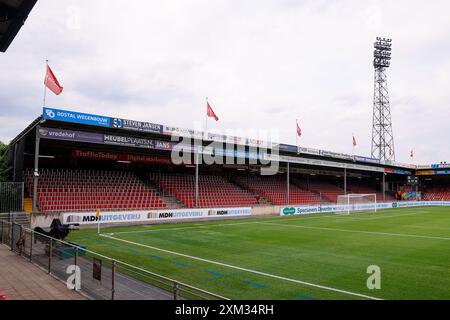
357	202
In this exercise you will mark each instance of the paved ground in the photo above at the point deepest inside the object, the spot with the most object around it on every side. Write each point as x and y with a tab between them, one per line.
22	280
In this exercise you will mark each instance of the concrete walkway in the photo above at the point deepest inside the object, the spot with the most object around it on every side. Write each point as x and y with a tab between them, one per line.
22	280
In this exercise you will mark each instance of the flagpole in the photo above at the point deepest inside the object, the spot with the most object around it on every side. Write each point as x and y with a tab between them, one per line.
45	87
296	133
206	120
353	143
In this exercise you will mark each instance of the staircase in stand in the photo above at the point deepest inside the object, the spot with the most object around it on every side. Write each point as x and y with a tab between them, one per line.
28	205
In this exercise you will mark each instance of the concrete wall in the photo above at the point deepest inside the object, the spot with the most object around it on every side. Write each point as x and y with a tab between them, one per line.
266	210
43	220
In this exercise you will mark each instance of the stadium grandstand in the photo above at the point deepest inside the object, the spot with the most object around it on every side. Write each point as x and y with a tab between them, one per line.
100	207
76	162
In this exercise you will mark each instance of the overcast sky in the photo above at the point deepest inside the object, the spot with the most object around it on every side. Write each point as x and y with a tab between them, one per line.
262	63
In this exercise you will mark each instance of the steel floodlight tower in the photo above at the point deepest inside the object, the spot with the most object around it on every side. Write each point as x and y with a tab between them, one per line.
382	133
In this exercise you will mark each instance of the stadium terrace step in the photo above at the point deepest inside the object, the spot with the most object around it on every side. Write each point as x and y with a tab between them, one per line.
274	189
171	201
214	191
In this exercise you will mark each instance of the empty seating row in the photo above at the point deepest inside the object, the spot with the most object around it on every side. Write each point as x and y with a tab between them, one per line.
86	190
437	194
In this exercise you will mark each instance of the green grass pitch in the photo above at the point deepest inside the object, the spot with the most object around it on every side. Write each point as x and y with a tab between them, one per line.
300	257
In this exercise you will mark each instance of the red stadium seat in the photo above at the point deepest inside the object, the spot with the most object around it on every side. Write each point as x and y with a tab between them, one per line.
88	190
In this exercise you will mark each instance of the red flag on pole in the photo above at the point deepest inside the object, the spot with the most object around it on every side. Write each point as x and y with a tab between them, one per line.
51	82
354	141
299	131
210	112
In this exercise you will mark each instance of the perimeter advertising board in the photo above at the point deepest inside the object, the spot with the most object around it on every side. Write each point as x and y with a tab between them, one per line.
125	217
307	210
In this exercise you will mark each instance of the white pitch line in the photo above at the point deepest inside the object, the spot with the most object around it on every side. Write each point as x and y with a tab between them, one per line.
358	231
384	217
245	269
305	217
181	228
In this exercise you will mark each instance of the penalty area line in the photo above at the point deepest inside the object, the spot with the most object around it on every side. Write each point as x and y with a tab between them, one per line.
405	235
245	269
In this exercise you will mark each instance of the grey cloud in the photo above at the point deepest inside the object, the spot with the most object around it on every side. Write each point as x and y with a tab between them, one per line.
262	63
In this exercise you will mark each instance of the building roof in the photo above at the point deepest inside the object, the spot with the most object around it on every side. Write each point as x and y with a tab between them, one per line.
13	14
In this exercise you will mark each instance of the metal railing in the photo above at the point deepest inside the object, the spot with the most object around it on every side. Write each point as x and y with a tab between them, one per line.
101	277
11	196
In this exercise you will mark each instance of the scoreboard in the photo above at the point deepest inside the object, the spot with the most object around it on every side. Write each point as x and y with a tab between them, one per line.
412	180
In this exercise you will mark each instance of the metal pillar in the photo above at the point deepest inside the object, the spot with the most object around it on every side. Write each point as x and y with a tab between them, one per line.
23	196
113	280
50	253
15	157
345	180
288	188
384	187
36	170
196	179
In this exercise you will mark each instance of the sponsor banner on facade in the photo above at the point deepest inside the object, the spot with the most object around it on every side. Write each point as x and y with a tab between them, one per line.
102	121
336	155
366	159
425	173
440	166
234	140
231	153
257	143
129	141
133	125
217	137
423	167
109	139
287	148
314	152
144	216
75	117
403	165
306	210
69	135
403	172
322	163
136	158
181	132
